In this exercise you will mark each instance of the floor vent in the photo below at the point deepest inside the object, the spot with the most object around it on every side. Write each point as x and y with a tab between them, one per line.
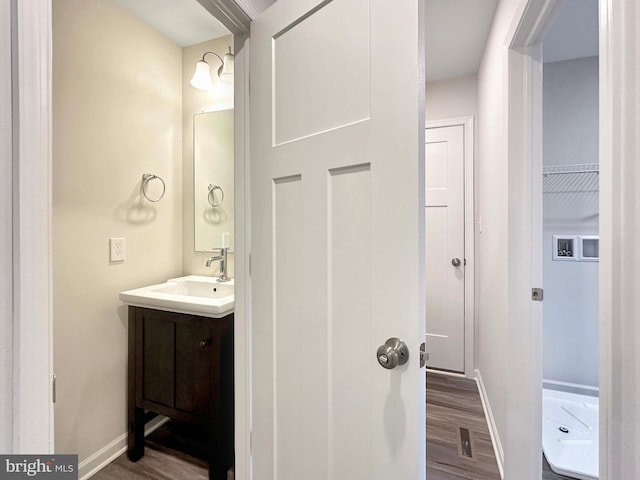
466	444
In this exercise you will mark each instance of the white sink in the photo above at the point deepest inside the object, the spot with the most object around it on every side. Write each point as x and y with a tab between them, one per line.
193	294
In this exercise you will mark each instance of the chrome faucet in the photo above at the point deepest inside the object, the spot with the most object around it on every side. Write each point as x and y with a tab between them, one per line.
223	264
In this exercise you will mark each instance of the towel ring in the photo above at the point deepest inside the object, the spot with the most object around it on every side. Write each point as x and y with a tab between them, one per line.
211	196
146	178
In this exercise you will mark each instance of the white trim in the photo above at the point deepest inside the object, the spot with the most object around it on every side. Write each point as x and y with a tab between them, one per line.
523	52
445	373
229	13
242	320
6	234
107	454
570	387
619	376
32	341
608	181
491	424
468	123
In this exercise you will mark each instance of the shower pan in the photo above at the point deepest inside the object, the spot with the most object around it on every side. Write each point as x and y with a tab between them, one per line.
570	433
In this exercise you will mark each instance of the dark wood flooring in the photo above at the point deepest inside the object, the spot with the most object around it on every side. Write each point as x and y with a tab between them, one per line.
453	403
171	454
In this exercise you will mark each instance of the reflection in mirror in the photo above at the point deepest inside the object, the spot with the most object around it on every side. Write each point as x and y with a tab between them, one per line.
213	179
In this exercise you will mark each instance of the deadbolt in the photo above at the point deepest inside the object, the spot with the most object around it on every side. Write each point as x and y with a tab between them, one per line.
393	353
455	262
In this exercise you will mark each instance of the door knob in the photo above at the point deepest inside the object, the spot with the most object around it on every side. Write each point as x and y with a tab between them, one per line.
393	353
205	343
455	262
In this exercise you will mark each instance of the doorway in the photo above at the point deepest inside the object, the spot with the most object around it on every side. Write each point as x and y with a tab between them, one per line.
135	119
570	230
526	200
449	245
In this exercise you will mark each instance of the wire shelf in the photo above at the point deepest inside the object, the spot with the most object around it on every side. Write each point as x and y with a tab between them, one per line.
568	169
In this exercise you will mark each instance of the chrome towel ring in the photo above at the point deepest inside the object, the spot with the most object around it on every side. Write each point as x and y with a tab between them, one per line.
211	196
146	178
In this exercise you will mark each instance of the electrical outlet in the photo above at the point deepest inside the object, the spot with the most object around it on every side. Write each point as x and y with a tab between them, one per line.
117	249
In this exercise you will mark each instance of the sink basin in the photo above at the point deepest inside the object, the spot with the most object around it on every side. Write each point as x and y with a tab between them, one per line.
193	294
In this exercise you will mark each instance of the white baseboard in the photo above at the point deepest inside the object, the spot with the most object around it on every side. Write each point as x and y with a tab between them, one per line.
491	423
578	388
447	373
107	454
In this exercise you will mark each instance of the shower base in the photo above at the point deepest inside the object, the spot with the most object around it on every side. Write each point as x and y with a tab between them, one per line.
570	433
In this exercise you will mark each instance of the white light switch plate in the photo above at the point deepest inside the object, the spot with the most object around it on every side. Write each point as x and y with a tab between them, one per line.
117	247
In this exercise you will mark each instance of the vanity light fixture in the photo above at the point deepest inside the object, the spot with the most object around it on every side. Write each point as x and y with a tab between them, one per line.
202	76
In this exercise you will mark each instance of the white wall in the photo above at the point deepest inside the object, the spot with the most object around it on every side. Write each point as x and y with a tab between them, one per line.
453	98
6	239
492	248
197	101
117	111
570	135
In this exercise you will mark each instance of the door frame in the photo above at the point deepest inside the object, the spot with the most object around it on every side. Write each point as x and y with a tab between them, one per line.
32	352
468	124
242	259
6	232
523	57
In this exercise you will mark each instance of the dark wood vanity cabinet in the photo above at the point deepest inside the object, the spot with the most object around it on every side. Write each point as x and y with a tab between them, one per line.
181	366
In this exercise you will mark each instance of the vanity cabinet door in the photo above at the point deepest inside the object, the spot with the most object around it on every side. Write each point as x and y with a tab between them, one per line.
158	358
193	351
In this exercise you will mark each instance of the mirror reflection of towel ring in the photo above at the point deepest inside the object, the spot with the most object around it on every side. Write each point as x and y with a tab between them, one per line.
146	178
211	196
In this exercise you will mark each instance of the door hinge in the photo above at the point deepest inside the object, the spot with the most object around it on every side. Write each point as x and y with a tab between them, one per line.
537	294
424	356
53	388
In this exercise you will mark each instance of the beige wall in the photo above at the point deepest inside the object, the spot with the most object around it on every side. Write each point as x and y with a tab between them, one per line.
197	101
453	98
117	87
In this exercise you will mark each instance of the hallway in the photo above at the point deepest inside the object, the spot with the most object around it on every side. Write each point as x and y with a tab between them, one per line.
454	403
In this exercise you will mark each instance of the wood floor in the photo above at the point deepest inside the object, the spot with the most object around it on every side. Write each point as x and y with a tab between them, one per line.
451	403
170	454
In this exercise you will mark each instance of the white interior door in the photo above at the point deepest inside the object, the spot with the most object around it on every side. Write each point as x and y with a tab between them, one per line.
445	263
337	239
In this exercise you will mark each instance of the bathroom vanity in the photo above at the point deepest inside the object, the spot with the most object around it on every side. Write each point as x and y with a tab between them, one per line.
181	366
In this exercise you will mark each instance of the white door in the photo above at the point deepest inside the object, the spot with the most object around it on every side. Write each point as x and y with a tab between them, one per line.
337	239
445	264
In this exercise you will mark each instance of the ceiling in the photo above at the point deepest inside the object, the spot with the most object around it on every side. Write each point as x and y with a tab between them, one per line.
455	36
185	22
456	30
574	34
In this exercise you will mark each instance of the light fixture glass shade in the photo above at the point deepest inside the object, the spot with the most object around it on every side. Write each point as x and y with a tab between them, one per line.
225	72
202	76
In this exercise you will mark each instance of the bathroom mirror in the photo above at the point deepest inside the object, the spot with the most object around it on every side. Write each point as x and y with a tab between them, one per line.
213	179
